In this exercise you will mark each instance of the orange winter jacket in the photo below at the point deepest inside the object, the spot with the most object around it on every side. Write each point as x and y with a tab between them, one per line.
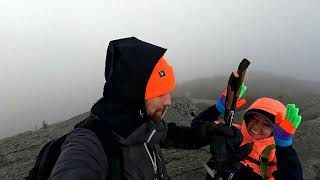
270	106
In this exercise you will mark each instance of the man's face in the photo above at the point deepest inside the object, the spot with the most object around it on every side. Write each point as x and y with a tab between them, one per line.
155	107
259	127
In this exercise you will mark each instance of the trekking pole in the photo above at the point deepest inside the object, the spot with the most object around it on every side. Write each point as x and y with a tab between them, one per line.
233	91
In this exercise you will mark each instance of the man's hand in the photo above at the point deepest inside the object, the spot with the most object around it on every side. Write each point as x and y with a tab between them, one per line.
226	150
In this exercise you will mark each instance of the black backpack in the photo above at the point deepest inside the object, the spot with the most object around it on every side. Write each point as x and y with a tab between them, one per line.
50	152
46	159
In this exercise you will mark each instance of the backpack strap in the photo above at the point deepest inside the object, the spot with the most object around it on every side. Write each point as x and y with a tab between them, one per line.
264	163
253	160
110	145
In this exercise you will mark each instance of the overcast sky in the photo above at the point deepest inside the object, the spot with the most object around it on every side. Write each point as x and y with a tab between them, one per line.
52	52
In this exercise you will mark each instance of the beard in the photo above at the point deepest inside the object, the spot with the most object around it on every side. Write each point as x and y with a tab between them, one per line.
158	115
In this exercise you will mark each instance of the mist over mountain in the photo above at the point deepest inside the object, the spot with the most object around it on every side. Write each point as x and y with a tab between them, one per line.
259	84
303	93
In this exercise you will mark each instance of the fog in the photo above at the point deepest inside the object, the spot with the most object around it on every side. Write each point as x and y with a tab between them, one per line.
52	53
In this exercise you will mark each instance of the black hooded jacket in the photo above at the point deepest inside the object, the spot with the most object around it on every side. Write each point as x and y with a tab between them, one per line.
121	143
129	64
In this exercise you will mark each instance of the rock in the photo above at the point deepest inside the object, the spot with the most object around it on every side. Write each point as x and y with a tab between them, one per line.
18	153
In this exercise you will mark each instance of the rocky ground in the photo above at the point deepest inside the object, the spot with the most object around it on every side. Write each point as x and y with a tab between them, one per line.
17	153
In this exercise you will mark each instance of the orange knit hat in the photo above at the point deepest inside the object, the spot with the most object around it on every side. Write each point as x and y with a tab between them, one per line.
161	81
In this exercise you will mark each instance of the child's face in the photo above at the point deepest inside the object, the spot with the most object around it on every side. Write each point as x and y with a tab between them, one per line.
259	127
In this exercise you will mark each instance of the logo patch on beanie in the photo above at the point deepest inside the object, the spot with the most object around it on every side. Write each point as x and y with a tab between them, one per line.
162	74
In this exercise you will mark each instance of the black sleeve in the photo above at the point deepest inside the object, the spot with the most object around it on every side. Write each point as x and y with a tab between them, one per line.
209	115
185	137
82	157
288	164
192	137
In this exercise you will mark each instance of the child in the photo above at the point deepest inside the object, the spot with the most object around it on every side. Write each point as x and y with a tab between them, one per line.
269	125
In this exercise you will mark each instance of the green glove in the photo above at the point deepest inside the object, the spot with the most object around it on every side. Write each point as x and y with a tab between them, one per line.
285	126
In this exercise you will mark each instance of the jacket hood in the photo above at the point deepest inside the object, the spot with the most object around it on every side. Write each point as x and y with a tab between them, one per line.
129	64
268	107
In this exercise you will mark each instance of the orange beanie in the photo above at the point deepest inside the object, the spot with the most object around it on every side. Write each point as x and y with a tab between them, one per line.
161	81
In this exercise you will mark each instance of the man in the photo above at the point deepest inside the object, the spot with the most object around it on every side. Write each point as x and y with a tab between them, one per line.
121	138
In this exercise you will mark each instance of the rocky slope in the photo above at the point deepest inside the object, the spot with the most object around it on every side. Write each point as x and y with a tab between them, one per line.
17	153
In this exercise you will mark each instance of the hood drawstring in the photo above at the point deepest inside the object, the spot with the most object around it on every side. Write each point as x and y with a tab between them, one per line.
164	112
154	158
151	135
